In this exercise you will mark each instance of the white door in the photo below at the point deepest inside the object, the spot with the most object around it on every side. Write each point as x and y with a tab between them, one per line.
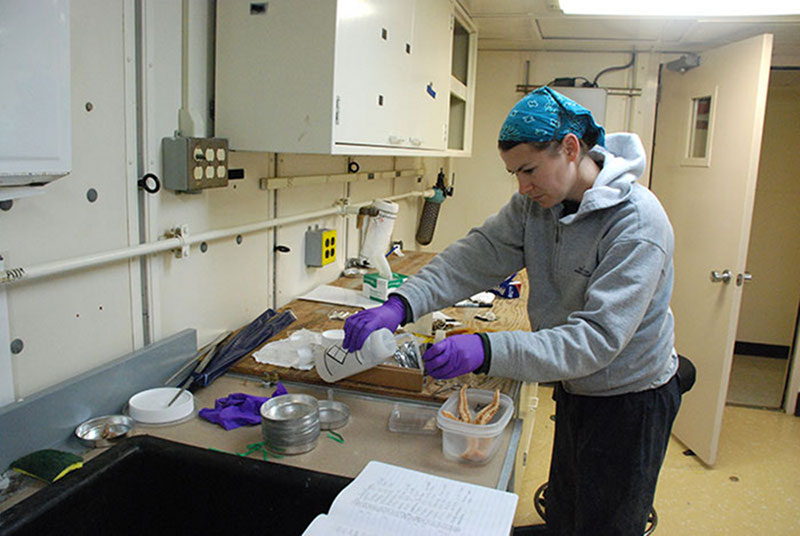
705	163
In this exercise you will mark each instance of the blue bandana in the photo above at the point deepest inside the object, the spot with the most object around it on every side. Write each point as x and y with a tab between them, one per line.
546	115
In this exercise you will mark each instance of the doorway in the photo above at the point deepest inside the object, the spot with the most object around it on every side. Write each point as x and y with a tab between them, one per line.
769	310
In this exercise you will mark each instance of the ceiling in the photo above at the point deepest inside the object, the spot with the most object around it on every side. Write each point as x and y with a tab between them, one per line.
540	25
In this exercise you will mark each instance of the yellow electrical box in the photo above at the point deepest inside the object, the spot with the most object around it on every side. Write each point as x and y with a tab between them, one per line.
320	247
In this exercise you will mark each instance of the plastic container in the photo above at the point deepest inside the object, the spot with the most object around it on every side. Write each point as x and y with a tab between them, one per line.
474	444
412	419
336	363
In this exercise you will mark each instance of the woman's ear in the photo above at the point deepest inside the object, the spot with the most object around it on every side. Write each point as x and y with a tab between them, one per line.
572	146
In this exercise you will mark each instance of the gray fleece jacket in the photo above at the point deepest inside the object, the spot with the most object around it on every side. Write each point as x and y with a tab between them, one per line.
600	282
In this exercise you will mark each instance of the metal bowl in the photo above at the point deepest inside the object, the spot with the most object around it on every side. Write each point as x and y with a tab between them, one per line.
104	431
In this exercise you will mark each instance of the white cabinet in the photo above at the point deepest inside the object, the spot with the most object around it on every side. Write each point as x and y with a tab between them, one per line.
334	76
35	138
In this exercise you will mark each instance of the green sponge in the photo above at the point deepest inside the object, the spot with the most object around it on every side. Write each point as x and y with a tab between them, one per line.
48	465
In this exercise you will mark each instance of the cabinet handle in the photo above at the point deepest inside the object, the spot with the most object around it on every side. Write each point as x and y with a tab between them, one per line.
396	140
415	141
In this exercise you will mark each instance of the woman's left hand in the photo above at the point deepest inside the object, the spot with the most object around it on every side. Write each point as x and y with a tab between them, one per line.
454	356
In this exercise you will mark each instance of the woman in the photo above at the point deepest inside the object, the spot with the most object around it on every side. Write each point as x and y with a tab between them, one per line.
598	251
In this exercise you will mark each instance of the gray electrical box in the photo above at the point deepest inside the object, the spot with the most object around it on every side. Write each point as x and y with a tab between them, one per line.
194	164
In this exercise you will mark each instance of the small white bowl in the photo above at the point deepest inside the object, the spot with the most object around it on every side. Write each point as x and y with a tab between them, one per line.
150	407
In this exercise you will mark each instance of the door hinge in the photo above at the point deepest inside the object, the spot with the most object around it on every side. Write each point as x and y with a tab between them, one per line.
336	112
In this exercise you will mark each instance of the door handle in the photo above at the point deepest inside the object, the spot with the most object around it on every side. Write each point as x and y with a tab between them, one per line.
741	279
721	277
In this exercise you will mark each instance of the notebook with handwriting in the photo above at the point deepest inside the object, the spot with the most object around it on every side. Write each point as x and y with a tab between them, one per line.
386	500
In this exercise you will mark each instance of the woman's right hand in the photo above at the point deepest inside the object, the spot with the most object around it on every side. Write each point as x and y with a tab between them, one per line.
359	326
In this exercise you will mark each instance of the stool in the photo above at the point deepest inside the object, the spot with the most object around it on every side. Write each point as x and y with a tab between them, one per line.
539	506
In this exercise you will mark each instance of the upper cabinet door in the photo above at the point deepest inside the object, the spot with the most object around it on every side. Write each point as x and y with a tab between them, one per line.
427	91
373	43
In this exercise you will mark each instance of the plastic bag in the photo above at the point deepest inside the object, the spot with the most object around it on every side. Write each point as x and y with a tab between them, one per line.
297	351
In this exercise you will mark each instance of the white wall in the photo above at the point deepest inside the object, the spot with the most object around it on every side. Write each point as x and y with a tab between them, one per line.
770	300
77	321
73	323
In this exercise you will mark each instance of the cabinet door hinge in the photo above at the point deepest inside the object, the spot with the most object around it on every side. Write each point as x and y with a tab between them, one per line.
336	112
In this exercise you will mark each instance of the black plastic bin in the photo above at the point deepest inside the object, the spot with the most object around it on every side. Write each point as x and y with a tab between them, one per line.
147	485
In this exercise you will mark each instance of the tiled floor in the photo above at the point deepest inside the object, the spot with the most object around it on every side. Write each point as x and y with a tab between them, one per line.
754	488
757	381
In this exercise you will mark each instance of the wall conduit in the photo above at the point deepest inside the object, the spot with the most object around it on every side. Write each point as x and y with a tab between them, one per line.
27	273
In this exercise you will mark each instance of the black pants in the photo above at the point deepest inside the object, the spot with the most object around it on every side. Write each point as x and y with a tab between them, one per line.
607	453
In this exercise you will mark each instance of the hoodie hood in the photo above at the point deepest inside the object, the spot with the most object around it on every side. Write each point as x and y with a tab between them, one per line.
623	163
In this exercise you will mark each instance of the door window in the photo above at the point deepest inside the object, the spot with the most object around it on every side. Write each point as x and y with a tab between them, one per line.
701	121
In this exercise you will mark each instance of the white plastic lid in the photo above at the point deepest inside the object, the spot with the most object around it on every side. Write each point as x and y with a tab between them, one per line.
151	406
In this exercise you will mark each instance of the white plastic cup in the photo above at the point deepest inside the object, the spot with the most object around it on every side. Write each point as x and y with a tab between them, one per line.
336	363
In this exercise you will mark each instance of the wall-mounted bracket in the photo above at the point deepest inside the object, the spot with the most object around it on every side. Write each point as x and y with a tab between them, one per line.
182	234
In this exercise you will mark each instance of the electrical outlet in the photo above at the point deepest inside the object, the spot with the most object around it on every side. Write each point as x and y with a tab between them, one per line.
194	164
320	247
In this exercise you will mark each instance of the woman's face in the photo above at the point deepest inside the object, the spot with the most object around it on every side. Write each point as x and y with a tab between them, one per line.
546	176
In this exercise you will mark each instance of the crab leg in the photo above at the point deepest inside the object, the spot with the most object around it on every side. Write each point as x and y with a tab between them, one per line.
463	406
485	415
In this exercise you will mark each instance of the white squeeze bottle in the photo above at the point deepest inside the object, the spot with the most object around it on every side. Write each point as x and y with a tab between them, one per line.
335	363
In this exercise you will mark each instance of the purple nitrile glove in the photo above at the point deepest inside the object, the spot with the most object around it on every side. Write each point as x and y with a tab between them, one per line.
454	356
359	326
238	409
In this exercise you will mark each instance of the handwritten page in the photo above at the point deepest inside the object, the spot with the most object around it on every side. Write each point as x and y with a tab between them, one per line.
389	500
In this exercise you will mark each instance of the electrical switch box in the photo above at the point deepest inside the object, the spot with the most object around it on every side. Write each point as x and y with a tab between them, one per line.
194	164
320	247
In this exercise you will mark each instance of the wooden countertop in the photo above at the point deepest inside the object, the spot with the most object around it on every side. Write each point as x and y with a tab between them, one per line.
511	315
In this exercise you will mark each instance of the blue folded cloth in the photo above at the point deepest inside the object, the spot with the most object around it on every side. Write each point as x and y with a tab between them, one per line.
238	409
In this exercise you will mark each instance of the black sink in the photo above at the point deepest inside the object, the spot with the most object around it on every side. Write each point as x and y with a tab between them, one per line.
147	485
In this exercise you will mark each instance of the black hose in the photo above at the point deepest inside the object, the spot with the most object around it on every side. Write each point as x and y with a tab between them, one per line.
618	68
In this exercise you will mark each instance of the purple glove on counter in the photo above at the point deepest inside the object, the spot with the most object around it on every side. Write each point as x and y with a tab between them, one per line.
454	356
238	409
359	326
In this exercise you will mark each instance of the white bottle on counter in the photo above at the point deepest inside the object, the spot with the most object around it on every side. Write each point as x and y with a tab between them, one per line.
335	363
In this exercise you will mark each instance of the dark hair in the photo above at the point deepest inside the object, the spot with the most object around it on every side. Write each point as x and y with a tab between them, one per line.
588	141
